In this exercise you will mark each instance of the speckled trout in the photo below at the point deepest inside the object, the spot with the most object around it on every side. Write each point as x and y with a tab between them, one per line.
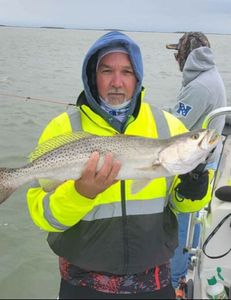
142	159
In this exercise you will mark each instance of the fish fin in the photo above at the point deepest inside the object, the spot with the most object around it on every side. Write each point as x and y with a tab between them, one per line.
138	185
151	168
56	142
49	185
156	164
145	169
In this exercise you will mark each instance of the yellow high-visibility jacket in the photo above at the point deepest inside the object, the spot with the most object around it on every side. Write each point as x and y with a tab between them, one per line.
117	232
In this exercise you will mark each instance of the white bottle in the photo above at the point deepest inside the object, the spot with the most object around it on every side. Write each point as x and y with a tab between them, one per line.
215	290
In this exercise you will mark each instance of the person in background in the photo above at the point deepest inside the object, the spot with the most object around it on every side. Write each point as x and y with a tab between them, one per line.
111	243
201	92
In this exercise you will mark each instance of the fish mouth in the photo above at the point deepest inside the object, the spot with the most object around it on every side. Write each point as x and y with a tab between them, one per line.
210	139
213	137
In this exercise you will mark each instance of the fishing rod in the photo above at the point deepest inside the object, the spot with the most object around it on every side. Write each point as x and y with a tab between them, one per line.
27	98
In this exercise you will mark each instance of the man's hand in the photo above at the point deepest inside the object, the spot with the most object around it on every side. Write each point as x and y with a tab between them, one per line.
92	182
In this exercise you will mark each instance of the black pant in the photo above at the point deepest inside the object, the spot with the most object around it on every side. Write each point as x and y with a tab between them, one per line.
69	291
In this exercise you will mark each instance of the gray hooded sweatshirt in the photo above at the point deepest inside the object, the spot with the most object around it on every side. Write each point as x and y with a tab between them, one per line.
202	91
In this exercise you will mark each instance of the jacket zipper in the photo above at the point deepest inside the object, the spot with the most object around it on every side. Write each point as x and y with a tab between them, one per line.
124	228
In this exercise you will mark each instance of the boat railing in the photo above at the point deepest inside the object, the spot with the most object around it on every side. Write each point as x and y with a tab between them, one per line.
223	111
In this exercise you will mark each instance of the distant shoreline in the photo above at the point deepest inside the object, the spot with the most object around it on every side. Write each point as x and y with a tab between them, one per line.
103	29
52	27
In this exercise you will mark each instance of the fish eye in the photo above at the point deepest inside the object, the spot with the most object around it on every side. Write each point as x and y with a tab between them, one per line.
195	136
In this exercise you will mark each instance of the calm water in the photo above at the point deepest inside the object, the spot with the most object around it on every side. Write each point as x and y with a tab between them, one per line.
46	64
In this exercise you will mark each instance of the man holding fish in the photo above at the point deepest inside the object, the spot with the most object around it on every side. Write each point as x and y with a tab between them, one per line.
115	236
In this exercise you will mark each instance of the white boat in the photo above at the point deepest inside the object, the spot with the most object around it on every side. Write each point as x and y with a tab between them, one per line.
212	257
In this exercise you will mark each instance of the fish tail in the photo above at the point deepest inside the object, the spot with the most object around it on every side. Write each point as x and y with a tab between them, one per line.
8	183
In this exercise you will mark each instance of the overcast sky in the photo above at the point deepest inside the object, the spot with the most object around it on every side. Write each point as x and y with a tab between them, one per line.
209	16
